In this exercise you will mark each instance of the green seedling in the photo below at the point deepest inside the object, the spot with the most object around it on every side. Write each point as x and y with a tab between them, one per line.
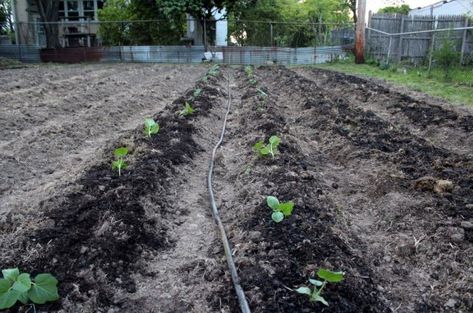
197	92
120	163
318	285
188	110
261	93
214	70
249	71
280	210
20	287
151	127
268	149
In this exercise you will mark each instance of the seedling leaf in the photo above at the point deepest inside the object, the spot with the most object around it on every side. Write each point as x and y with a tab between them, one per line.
319	298
332	277
277	217
304	291
273	202
8	298
22	283
197	92
44	289
151	127
315	282
286	208
11	274
121	152
274	140
23	297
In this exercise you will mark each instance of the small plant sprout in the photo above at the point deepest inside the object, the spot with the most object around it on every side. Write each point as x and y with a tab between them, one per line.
280	210
197	92
261	93
249	71
214	70
188	110
20	287
268	149
326	276
151	127
120	163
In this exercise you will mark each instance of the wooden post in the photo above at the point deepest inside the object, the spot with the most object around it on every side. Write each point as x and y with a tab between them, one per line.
399	57
432	46
360	33
368	40
465	33
388	58
271	33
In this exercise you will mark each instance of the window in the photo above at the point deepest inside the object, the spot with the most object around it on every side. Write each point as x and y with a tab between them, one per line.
74	10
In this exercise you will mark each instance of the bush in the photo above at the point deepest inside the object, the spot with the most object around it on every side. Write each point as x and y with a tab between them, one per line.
447	57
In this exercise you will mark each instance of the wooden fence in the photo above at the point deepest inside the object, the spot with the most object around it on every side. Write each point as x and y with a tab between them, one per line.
416	47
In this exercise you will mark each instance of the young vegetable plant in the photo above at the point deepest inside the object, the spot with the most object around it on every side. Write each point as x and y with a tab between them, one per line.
197	92
249	71
151	127
120	163
214	70
317	285
188	110
20	287
280	210
268	149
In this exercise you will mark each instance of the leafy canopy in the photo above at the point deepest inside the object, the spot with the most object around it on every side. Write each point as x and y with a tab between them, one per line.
16	287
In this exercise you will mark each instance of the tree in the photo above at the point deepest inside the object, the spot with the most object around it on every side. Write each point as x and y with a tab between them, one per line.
48	12
4	16
401	9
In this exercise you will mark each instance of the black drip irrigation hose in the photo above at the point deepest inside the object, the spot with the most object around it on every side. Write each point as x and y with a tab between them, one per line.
226	244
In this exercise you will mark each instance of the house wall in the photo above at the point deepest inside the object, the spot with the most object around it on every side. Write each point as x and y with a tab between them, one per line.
454	7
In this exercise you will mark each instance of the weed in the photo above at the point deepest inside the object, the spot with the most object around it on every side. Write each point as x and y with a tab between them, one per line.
447	57
249	71
151	127
20	287
280	210
317	285
268	149
120	163
188	110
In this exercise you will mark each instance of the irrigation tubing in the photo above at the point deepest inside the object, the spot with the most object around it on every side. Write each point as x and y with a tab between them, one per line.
226	244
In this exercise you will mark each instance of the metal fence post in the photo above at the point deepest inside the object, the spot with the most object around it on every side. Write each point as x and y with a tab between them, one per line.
465	33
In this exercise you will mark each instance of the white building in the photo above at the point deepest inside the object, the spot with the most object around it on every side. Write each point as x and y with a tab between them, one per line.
218	29
447	7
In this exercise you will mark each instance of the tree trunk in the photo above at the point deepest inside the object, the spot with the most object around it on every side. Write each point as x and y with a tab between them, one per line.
48	11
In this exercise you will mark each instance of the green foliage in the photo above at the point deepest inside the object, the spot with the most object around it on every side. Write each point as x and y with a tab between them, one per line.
447	57
280	210
119	162
188	110
268	149
16	287
317	285
401	9
151	127
249	71
214	70
197	92
157	32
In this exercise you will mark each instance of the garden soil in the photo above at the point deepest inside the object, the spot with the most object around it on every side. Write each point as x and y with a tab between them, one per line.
382	181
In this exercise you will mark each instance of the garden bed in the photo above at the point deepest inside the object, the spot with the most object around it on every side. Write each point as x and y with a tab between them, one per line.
378	194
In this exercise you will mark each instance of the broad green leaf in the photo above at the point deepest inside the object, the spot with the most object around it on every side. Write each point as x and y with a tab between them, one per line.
8	298
274	140
5	284
315	282
11	274
149	122
44	289
22	283
304	291
277	217
286	208
23	297
319	298
264	151
258	146
116	164
121	152
197	92
332	277
272	202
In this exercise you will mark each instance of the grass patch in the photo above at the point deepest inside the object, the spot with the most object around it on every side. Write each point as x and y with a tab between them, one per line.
457	90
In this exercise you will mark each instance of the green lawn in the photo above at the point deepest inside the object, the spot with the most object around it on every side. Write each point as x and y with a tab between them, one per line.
459	90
